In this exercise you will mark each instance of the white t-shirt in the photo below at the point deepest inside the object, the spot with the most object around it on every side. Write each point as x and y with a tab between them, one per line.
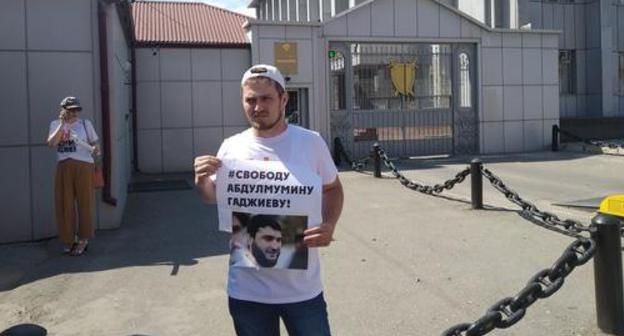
75	142
306	149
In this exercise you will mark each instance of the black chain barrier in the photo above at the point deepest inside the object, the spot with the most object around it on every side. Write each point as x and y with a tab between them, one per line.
425	189
543	284
508	311
598	143
594	143
357	165
360	164
549	220
570	227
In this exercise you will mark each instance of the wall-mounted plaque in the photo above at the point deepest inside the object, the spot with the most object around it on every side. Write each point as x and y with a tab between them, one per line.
286	57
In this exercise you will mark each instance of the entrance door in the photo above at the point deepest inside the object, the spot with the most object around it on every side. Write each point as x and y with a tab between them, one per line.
297	107
465	126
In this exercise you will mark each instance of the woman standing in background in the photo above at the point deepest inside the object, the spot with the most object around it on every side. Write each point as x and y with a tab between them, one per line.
75	140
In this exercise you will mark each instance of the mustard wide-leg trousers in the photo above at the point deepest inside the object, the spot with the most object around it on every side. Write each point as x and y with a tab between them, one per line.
73	186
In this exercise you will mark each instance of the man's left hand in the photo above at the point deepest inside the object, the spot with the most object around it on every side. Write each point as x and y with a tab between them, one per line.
319	236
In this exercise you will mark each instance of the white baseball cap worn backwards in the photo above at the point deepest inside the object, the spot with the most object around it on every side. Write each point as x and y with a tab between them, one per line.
264	70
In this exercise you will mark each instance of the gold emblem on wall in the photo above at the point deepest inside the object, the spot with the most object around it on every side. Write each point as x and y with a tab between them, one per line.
403	76
286	57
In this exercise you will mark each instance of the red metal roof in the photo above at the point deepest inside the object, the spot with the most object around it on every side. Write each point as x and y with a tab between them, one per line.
187	23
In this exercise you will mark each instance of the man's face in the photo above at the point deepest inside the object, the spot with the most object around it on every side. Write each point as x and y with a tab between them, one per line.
264	107
266	246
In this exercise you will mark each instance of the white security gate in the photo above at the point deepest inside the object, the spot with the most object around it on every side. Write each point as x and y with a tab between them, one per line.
401	95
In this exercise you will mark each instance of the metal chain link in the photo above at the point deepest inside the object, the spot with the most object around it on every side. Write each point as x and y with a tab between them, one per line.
357	165
570	226
598	143
601	144
543	284
425	189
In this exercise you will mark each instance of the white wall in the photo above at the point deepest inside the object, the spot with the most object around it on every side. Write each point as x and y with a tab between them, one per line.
613	47
594	30
476	9
520	91
120	102
188	101
266	34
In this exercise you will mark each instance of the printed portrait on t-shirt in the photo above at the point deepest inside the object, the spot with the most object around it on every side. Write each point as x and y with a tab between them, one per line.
268	241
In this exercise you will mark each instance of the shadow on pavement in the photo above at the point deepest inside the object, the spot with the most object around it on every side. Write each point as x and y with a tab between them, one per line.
159	228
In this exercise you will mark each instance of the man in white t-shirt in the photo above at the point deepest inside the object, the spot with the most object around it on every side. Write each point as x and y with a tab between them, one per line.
259	297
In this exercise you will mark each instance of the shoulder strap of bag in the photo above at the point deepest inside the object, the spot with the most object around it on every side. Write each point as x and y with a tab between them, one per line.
86	131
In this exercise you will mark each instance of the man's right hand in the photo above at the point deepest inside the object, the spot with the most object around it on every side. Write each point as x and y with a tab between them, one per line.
205	166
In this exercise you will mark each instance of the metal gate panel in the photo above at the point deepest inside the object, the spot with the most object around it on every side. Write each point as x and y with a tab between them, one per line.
465	135
396	94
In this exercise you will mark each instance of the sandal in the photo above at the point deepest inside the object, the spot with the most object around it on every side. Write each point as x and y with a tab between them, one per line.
80	248
67	248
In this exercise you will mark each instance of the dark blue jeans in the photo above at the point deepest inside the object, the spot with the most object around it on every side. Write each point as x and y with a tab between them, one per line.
306	318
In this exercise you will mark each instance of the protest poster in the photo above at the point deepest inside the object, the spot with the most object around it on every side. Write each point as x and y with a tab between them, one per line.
267	206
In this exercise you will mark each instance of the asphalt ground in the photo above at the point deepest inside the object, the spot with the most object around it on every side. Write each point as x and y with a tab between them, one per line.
403	263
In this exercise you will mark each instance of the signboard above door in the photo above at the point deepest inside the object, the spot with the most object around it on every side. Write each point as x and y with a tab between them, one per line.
286	57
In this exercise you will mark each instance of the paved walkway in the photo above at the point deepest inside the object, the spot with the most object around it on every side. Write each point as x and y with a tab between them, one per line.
403	263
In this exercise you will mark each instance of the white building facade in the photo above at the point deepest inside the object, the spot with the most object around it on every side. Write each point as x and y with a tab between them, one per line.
188	101
419	77
591	53
190	58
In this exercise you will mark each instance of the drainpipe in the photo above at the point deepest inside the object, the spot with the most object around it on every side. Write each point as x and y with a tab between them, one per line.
135	151
104	93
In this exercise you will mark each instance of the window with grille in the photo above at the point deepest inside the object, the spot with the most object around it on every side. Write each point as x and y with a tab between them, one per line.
337	82
567	72
465	94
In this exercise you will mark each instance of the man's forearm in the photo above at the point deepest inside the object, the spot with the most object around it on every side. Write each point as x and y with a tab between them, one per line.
333	199
207	190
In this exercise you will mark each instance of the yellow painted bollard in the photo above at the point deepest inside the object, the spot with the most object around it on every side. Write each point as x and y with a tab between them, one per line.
608	265
613	205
